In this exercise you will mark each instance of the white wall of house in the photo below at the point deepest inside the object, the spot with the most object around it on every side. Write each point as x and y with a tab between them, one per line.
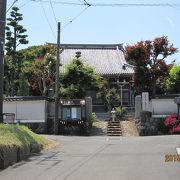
163	106
27	111
159	107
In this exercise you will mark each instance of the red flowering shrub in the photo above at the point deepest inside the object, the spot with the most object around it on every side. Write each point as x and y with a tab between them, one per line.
170	120
172	123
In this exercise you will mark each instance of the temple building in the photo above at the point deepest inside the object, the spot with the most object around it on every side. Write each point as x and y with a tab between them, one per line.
108	60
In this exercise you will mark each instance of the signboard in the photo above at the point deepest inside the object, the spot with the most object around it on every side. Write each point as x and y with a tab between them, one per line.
145	101
76	102
74	113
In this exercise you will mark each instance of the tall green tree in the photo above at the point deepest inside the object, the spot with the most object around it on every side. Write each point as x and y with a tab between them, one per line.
150	65
36	73
39	69
173	81
15	36
110	97
78	79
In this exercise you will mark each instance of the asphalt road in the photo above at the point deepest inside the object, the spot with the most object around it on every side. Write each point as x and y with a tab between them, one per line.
101	158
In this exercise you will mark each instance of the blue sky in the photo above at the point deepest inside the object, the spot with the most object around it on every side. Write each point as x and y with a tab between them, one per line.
96	25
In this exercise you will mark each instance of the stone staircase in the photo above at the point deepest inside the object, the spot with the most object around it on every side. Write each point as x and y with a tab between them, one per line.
114	128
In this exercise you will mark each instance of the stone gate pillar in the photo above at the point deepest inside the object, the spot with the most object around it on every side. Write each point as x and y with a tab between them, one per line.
88	105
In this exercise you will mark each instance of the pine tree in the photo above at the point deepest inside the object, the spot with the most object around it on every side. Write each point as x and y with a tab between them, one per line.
14	36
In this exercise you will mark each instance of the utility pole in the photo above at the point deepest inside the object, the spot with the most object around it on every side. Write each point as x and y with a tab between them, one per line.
2	41
56	120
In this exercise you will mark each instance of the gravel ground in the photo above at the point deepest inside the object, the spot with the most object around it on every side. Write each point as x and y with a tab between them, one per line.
129	128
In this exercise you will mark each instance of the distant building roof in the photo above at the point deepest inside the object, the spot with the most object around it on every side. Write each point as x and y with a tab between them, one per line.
107	59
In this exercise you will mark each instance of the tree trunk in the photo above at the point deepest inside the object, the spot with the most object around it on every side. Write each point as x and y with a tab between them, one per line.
15	64
44	83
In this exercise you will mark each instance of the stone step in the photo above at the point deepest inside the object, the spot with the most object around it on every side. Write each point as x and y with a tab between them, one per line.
114	129
110	125
114	126
114	134
114	123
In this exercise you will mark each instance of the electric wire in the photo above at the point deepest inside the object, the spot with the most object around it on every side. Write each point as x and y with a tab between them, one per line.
59	2
177	8
112	4
46	17
11	6
86	3
53	12
24	4
138	5
74	18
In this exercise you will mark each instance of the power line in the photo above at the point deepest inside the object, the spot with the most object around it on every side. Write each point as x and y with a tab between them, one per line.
53	12
24	4
59	2
11	6
138	5
177	8
44	12
78	15
85	3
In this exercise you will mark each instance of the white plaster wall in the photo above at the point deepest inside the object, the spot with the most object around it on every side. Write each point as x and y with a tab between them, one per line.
26	111
163	106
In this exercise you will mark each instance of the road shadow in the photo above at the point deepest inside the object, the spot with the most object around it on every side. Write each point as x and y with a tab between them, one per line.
50	160
97	131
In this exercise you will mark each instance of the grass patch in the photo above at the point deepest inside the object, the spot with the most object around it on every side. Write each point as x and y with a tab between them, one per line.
19	135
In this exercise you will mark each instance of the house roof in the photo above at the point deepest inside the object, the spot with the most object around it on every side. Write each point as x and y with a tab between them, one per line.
25	98
107	59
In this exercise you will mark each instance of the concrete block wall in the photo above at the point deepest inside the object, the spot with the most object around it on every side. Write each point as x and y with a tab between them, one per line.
13	154
8	156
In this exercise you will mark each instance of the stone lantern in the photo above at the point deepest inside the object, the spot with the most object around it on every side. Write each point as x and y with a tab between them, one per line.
113	114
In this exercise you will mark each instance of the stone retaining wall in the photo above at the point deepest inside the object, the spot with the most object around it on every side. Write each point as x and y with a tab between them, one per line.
39	128
10	155
147	125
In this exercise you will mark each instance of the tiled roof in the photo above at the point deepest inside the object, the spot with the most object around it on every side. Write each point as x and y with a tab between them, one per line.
24	98
106	59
